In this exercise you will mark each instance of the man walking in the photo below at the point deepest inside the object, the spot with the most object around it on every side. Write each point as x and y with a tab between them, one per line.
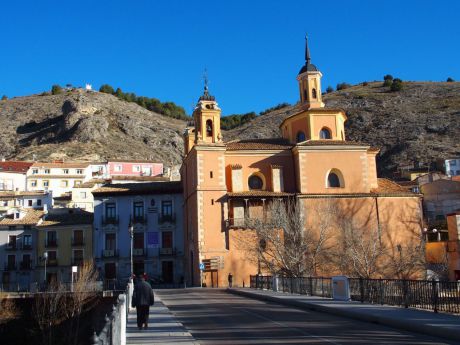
142	300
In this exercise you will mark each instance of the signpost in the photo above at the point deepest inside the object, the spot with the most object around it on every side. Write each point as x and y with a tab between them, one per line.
201	273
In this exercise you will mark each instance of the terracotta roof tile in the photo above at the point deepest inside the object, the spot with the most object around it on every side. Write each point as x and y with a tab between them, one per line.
91	183
330	142
15	166
78	165
386	186
139	178
139	188
74	218
258	144
259	193
32	217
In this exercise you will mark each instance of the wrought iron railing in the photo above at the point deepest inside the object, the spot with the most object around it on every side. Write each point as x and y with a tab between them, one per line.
422	294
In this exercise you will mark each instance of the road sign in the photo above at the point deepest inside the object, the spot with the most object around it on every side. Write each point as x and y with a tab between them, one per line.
201	266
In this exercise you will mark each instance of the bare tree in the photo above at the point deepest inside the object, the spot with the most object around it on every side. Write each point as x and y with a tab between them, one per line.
8	309
58	304
282	242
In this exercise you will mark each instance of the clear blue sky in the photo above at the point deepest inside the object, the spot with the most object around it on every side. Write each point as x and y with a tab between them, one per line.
253	50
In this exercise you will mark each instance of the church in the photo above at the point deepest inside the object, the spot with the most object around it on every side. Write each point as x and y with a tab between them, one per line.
311	161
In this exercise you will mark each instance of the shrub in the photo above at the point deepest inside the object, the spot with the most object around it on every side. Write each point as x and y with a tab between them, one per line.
4	97
388	77
343	86
396	85
365	83
106	88
329	89
450	80
56	89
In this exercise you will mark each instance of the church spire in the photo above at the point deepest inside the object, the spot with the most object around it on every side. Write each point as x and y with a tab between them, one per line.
307	51
206	96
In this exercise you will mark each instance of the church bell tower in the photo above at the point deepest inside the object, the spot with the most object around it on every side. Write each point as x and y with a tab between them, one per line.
309	79
207	119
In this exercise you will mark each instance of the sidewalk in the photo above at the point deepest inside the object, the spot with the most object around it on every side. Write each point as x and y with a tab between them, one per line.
163	328
413	320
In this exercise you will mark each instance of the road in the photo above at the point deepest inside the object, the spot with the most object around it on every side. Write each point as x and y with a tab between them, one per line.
214	316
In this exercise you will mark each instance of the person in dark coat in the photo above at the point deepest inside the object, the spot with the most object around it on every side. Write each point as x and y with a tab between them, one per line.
230	279
142	300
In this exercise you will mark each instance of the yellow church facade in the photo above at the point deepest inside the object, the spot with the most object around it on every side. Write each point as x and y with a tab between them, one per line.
225	183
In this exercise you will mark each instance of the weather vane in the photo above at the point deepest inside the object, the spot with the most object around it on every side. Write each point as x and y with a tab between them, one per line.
205	78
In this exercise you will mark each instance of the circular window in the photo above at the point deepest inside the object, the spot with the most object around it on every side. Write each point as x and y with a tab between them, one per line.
255	182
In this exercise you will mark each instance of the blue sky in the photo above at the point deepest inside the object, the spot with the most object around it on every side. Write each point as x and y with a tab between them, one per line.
252	50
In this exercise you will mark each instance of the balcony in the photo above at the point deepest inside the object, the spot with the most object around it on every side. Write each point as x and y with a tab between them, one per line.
51	244
138	220
77	262
12	247
26	265
246	223
166	218
109	253
79	242
26	247
139	252
52	262
167	251
11	266
112	220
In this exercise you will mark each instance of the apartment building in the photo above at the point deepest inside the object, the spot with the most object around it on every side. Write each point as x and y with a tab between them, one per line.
152	212
58	177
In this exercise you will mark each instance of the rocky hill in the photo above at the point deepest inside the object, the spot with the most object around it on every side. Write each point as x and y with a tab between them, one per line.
86	125
416	125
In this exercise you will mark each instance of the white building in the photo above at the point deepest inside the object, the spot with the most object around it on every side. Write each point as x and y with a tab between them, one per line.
13	175
57	177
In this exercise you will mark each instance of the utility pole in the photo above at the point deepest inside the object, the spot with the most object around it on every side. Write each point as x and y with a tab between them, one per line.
45	257
131	235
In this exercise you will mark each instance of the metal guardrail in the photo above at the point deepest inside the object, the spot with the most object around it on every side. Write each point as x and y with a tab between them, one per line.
422	294
310	286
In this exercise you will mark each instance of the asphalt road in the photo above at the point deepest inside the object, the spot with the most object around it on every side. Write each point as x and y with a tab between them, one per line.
213	316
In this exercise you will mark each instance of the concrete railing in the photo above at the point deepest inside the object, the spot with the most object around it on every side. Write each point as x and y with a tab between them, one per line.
114	330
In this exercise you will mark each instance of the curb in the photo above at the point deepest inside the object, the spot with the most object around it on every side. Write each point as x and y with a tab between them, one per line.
441	332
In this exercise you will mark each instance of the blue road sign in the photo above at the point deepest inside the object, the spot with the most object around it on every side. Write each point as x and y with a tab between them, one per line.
201	266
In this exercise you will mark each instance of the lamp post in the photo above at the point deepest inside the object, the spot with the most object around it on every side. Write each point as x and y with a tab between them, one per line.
131	235
45	257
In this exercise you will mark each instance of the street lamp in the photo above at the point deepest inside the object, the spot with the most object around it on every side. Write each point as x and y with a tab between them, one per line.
131	235
45	257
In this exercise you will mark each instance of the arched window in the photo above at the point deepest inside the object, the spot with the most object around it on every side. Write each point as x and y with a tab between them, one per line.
313	93
325	133
255	182
300	136
335	179
209	128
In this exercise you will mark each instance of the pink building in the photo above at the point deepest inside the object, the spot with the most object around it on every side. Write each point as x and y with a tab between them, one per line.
134	168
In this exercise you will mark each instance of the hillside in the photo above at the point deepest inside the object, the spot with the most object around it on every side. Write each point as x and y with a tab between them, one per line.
82	125
418	124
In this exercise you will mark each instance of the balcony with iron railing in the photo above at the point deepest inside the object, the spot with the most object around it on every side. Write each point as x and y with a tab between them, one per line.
26	265
10	266
109	253
167	251
110	220
78	242
52	262
139	252
26	247
166	218
51	243
138	219
77	262
12	247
